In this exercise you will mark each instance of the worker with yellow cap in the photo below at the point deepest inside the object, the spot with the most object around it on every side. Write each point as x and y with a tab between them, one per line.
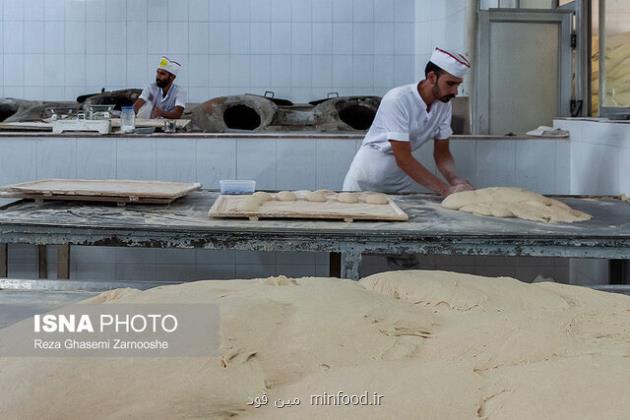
162	99
408	117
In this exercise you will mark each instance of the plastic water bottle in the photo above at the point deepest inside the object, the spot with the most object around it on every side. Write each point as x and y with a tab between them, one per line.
127	119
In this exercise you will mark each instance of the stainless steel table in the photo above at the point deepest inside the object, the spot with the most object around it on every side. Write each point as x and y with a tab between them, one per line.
430	230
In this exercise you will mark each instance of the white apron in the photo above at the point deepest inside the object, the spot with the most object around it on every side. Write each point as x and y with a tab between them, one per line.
373	170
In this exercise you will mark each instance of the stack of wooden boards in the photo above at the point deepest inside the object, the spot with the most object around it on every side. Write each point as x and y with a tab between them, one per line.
110	190
323	204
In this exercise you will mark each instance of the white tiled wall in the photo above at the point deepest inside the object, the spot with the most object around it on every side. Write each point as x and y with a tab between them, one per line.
600	156
444	24
301	49
275	163
600	164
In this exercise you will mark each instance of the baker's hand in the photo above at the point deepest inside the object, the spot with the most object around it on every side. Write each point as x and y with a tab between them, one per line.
156	112
457	188
457	181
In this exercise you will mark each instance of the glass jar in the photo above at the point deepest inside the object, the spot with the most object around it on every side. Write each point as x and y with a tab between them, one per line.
127	119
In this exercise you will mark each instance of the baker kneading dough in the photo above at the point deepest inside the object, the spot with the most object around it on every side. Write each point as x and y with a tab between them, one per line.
513	202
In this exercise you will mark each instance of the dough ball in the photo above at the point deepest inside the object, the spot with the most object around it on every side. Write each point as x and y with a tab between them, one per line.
263	196
325	191
315	196
250	204
348	198
286	196
377	198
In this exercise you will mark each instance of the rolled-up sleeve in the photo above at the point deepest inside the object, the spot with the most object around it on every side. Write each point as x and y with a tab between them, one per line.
180	98
444	129
395	120
146	94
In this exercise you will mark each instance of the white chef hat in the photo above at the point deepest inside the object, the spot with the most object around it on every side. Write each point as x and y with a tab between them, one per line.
453	63
169	66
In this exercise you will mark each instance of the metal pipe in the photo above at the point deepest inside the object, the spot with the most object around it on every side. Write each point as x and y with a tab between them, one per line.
583	55
585	20
602	54
471	45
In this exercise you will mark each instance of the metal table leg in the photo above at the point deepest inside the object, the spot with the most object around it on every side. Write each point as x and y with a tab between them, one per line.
350	261
63	262
619	270
42	261
4	261
334	264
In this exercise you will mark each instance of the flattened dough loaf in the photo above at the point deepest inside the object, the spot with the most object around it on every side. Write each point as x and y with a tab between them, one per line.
513	202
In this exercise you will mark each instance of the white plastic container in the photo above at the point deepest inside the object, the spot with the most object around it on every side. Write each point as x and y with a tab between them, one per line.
237	187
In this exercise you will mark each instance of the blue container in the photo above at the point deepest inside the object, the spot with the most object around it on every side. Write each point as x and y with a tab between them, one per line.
237	187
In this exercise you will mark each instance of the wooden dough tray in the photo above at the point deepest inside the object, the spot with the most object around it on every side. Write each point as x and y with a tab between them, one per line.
227	206
117	191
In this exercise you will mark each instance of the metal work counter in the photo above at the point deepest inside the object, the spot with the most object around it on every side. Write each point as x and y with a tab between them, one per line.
431	230
253	135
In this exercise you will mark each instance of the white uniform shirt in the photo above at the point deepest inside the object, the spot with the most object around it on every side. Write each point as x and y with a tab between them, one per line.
176	96
402	116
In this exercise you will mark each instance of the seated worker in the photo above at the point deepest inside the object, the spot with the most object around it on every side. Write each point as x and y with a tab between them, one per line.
162	99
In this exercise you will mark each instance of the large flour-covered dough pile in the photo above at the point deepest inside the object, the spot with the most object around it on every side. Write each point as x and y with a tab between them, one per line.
436	345
513	202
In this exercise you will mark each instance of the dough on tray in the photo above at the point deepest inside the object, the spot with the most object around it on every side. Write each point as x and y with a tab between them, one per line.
286	196
348	198
376	198
315	196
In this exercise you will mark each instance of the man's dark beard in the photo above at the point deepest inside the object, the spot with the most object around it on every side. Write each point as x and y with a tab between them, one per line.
438	95
161	83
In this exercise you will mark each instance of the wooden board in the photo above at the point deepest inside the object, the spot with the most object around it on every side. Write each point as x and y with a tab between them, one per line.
26	126
227	206
108	199
120	191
